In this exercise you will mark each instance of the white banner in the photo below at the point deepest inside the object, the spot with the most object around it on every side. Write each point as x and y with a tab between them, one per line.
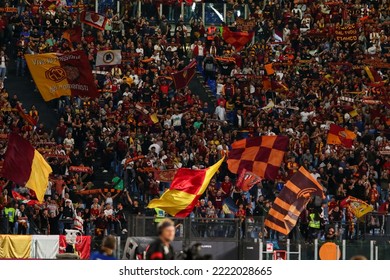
111	57
195	270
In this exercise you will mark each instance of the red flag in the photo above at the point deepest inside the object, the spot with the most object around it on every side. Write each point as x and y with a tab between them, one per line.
49	5
183	78
73	34
247	180
237	39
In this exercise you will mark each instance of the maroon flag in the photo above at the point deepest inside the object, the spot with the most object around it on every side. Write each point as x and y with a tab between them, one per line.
183	78
247	180
237	39
25	116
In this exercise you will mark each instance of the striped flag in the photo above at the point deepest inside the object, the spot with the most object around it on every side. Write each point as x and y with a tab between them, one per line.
185	191
26	166
292	200
237	39
261	155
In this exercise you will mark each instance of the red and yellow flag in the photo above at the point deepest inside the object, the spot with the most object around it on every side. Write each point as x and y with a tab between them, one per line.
26	166
358	207
59	75
185	191
73	34
340	136
237	39
183	78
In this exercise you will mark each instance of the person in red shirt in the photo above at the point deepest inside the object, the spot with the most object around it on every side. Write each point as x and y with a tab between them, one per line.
226	186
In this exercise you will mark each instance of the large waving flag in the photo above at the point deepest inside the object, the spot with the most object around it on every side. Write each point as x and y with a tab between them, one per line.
185	191
182	78
357	206
57	75
237	39
110	57
340	136
261	155
292	200
26	166
93	19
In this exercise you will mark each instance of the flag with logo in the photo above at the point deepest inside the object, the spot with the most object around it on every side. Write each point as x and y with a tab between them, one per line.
247	180
261	155
292	200
338	135
109	57
26	166
357	207
237	39
57	75
186	188
73	34
182	78
165	175
93	19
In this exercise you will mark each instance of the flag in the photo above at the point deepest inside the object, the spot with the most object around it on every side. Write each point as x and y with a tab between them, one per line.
269	69
373	74
73	34
338	135
292	200
261	155
93	19
26	166
237	39
356	206
25	116
269	106
110	57
58	75
185	191
247	180
228	206
24	200
182	78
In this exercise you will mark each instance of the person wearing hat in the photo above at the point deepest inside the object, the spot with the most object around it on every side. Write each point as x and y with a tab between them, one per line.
161	248
107	249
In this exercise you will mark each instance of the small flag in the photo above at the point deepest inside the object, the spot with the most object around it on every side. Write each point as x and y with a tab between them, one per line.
269	69
292	200
261	155
182	78
357	207
269	106
185	191
29	119
110	57
247	180
338	135
26	166
228	206
93	19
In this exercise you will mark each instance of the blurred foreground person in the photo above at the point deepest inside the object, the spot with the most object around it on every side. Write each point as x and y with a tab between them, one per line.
106	250
161	248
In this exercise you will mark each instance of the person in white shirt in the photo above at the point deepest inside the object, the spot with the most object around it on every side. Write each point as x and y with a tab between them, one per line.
220	112
306	115
69	143
176	120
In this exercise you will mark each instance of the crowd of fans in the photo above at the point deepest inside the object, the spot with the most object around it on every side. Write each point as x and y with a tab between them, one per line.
318	80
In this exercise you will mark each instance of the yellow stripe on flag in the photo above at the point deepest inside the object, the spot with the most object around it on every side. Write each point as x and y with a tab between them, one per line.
15	246
369	74
49	77
39	177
